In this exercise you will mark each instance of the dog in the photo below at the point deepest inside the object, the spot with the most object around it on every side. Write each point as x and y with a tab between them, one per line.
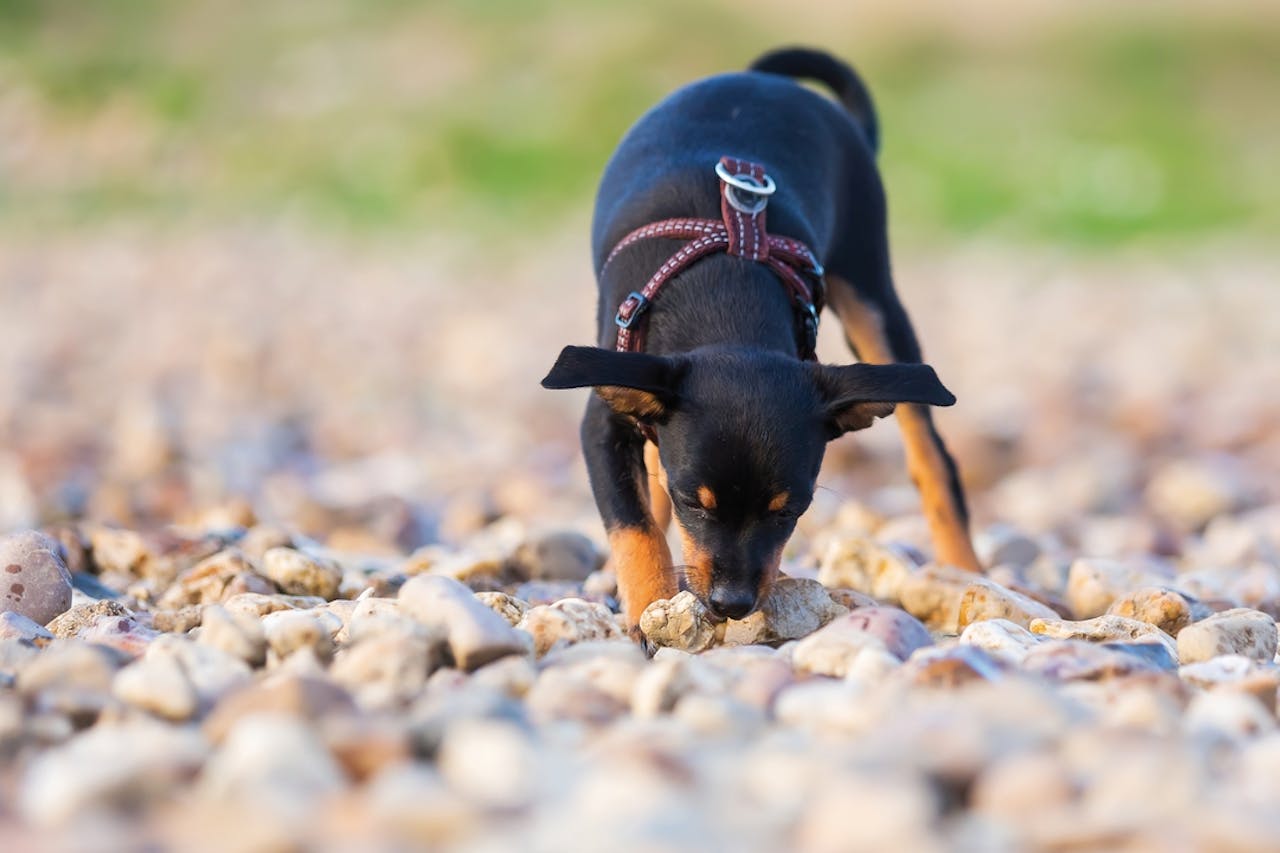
707	401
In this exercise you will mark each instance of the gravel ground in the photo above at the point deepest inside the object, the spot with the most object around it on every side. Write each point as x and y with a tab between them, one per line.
301	558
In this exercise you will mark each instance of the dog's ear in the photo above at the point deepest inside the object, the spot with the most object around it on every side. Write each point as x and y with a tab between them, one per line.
855	395
635	384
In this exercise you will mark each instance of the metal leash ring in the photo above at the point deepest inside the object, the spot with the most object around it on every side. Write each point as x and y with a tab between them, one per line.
744	192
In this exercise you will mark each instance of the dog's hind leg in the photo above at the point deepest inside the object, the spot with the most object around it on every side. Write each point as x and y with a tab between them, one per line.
639	556
879	331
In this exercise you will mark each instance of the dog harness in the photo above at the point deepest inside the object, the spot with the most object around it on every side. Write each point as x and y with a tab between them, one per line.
744	195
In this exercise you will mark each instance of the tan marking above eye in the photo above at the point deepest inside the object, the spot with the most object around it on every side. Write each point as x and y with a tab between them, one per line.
779	501
706	497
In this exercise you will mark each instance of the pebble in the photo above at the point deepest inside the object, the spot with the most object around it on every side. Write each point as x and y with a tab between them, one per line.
794	608
34	579
476	635
308	698
867	566
1102	629
568	621
389	668
1235	672
274	764
297	573
1190	492
834	649
211	672
984	600
216	579
1070	660
1005	545
123	765
950	666
1001	639
680	622
491	763
557	556
15	626
237	634
1229	713
1166	609
1093	585
289	631
933	595
1233	632
157	684
102	624
507	606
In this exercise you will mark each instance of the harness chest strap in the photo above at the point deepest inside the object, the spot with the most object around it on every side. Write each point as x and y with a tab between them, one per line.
744	195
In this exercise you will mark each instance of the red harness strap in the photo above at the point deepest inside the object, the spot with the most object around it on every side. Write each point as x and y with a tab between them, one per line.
744	194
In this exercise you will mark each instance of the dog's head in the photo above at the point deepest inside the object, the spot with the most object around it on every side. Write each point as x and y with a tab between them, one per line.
741	434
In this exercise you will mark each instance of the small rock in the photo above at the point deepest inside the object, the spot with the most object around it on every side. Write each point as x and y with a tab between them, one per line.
289	631
305	697
795	608
297	573
260	604
109	765
1000	638
1093	585
663	682
833	650
1072	660
568	621
210	671
933	595
215	579
1166	609
870	567
984	600
107	623
547	592
71	676
491	763
178	621
1005	545
1190	492
15	626
681	622
507	606
34	579
388	669
1230	714
1104	629
237	634
560	556
950	666
1232	632
1237	673
157	684
273	764
476	634
412	801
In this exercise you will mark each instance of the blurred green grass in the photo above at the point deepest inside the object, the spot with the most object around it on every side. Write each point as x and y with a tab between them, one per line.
1097	129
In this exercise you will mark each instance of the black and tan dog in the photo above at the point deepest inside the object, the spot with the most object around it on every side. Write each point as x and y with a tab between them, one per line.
722	409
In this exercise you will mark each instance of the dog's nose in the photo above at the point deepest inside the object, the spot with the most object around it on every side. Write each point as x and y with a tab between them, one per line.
730	603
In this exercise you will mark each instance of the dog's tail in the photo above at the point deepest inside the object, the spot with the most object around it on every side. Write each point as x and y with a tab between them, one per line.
811	64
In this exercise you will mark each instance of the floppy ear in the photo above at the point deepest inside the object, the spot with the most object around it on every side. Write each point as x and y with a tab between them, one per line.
635	384
856	394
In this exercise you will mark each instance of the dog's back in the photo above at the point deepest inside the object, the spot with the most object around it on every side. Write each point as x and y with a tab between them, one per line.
810	144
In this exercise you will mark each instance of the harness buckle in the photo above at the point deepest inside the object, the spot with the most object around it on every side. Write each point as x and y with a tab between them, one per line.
744	192
630	309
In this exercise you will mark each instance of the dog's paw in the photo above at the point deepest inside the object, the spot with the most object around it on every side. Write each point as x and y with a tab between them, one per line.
636	634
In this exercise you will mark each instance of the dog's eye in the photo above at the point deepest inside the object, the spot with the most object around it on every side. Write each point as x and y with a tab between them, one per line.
694	506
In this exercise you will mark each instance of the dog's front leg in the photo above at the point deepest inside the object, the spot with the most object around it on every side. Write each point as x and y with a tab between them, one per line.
614	452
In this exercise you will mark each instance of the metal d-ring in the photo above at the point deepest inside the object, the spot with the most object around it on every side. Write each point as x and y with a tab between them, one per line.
744	192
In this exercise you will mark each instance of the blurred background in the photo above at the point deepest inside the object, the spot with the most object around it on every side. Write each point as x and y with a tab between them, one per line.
307	260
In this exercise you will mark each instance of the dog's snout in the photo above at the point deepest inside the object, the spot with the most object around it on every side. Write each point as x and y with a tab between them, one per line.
731	603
